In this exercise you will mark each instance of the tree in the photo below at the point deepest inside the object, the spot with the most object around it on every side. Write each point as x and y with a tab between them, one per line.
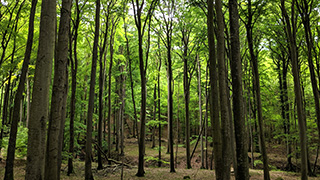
19	95
112	34
200	111
58	92
305	8
214	93
137	8
167	28
40	95
74	71
102	74
291	32
249	24
88	171
242	168
224	112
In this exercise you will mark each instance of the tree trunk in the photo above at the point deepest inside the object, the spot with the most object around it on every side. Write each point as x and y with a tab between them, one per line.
40	94
102	75
170	104
58	92
186	88
305	11
135	121
206	119
214	95
254	61
28	99
200	112
74	71
159	107
237	97
143	68
225	122
291	30
88	171
109	86
154	115
18	98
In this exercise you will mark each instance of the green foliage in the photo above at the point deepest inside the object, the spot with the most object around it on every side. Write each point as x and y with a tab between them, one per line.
21	142
150	158
257	162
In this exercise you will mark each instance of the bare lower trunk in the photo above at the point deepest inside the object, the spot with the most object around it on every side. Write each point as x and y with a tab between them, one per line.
40	95
242	168
88	166
57	114
224	112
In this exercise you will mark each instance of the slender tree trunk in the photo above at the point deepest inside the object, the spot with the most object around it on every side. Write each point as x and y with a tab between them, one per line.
291	30
170	104
19	97
122	108
135	121
40	94
159	107
186	87
178	124
237	97
88	171
154	115
200	112
74	71
28	98
143	68
102	76
206	119
214	95
254	62
109	87
225	122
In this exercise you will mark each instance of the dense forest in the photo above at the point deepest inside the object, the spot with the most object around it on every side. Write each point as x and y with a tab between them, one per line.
118	89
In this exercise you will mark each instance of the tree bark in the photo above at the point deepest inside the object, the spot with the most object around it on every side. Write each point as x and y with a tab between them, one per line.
224	112
237	97
40	95
214	95
154	115
186	88
200	112
88	171
159	107
57	113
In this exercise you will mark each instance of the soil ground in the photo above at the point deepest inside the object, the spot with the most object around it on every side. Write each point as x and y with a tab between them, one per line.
276	154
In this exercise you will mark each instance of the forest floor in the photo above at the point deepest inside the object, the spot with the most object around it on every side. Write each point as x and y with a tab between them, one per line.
276	154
